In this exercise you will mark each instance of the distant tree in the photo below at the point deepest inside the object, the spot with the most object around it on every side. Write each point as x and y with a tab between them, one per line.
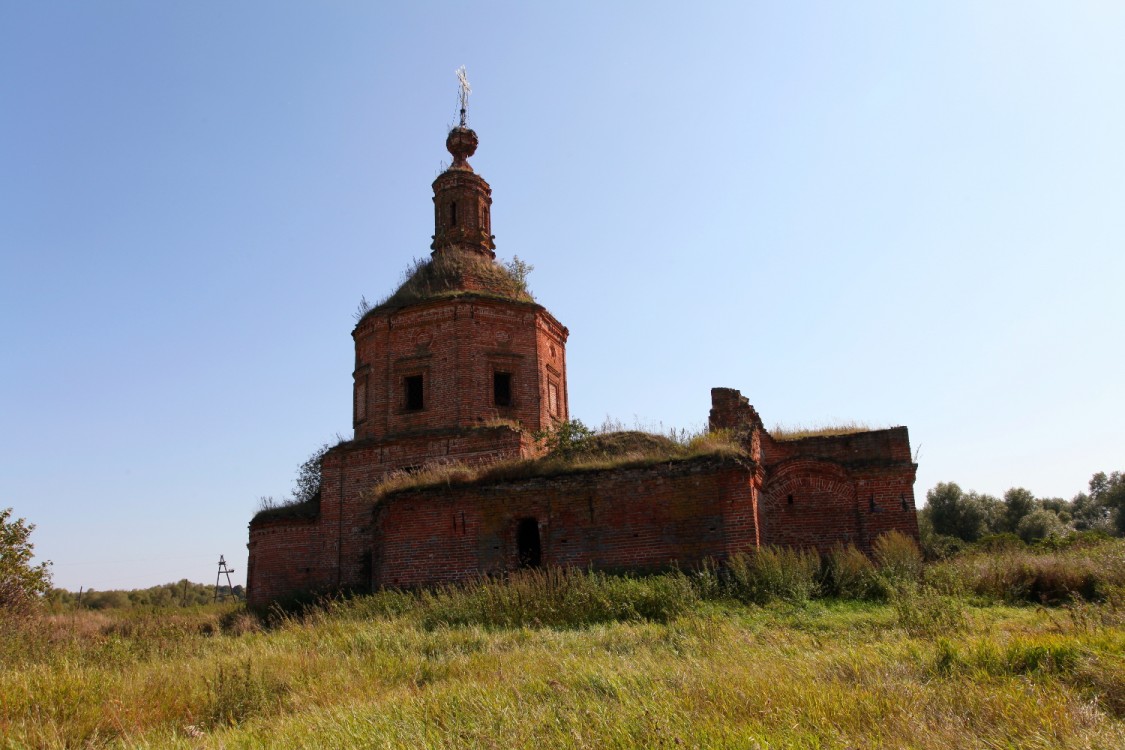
1087	514
1103	508
1109	492
1040	524
106	600
22	584
967	516
1059	507
1018	503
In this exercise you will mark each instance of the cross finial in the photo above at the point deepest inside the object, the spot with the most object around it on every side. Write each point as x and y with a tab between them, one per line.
463	82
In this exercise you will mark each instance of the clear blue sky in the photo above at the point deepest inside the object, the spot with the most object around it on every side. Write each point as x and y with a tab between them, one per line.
898	213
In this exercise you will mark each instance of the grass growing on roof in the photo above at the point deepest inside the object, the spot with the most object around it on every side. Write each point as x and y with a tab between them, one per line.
596	452
799	432
452	274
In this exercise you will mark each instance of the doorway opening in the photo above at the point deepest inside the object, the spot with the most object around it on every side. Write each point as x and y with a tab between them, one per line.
527	543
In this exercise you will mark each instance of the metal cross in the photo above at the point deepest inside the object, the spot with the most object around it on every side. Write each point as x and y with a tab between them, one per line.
465	91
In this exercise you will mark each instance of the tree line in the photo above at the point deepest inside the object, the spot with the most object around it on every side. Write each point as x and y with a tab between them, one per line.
183	593
953	517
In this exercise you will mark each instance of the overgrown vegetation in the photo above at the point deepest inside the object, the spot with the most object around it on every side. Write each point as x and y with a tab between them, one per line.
569	448
799	432
451	274
573	659
305	499
21	583
953	518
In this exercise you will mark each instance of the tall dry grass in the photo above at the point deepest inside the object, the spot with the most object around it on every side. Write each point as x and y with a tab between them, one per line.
555	659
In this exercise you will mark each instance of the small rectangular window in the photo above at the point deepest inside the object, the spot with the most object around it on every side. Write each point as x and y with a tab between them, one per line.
414	400
502	388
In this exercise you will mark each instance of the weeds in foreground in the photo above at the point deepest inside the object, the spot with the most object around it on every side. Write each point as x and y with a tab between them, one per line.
924	612
557	597
358	674
560	659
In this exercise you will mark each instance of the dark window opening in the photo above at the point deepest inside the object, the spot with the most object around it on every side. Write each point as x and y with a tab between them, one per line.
453	213
502	388
527	543
414	401
789	501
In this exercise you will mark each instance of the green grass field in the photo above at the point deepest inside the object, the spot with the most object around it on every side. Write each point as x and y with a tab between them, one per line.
627	663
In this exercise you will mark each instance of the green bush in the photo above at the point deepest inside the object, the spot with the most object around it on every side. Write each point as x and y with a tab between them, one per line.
772	573
849	574
898	558
22	585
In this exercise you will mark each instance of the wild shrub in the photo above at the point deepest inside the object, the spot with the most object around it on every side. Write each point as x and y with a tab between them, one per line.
1006	542
772	573
708	580
898	558
849	574
564	439
936	546
22	585
238	693
1039	576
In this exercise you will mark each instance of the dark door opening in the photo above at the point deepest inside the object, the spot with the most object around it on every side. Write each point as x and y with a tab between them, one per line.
527	543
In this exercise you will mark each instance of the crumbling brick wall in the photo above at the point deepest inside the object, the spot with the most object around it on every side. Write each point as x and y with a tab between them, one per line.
825	490
617	519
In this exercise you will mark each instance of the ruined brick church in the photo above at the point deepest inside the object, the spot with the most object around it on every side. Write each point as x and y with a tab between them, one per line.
461	364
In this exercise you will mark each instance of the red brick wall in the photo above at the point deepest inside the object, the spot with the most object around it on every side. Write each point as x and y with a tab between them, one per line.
335	546
286	558
820	491
847	488
456	346
636	519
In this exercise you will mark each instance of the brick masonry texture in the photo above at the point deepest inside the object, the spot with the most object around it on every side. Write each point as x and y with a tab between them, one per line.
467	375
620	519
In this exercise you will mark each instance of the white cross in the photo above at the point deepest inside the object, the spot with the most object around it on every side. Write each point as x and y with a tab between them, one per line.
465	91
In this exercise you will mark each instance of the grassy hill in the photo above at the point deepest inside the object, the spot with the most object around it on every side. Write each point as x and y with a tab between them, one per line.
963	653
